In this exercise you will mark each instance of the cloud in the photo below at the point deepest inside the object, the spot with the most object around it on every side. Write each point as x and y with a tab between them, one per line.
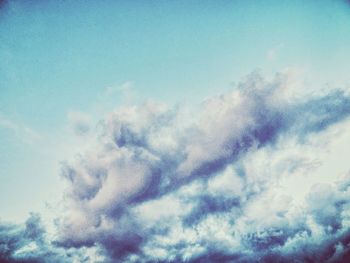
23	132
217	183
124	87
272	53
29	242
151	152
125	91
80	122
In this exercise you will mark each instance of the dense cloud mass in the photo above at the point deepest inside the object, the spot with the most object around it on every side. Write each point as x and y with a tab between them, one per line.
208	185
30	243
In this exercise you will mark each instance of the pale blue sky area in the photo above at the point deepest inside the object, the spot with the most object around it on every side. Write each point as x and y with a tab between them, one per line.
61	56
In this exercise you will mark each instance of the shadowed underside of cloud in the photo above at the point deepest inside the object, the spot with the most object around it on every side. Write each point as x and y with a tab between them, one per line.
176	185
28	243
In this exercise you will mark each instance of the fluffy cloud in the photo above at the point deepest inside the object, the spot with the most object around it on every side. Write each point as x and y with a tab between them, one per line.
29	243
197	161
239	179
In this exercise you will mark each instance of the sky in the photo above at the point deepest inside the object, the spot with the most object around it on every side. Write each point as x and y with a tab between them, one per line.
110	111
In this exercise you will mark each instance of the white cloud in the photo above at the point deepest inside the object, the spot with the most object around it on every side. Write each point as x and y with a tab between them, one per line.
250	174
21	131
226	180
272	54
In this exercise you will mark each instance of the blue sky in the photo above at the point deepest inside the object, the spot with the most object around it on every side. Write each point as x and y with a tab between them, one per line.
64	65
58	57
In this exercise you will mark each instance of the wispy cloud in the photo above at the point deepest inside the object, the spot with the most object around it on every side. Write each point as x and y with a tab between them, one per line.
125	91
124	87
272	54
21	131
80	122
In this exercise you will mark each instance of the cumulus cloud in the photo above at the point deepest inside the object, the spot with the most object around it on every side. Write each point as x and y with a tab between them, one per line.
219	183
198	162
29	242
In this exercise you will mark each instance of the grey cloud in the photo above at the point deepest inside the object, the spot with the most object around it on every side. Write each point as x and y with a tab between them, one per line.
150	151
28	243
13	237
79	122
167	185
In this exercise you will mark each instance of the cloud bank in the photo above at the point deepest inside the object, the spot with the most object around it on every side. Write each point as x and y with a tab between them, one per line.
211	184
